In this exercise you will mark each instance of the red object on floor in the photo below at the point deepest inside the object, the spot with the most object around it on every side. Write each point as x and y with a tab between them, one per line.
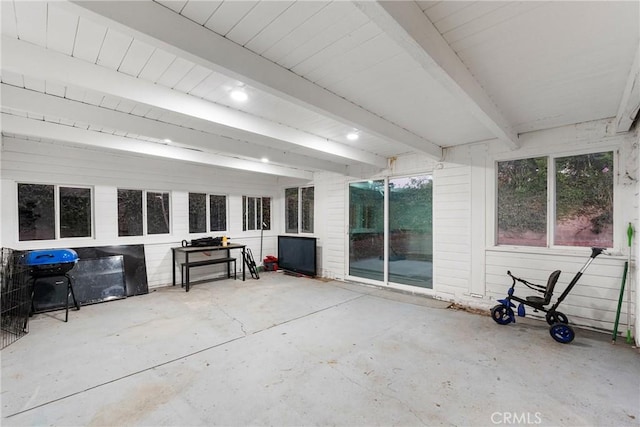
270	263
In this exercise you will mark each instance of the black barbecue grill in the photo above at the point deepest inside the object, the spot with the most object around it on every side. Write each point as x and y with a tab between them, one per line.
53	264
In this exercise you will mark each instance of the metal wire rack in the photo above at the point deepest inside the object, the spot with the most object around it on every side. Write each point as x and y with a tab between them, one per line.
15	297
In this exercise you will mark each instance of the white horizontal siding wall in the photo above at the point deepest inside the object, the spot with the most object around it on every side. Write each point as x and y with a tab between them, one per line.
468	267
593	301
331	228
452	229
57	163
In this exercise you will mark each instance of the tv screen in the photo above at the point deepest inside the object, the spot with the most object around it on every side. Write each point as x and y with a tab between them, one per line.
297	254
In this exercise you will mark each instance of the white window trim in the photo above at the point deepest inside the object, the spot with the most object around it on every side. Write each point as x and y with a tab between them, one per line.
492	226
208	213
56	210
145	232
245	213
299	212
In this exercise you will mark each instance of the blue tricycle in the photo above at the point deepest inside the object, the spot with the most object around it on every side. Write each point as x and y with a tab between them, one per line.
559	324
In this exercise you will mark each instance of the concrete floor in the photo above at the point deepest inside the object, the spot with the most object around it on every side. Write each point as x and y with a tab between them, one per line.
287	351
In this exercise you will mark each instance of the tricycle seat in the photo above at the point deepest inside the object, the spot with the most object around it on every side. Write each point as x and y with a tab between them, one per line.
548	293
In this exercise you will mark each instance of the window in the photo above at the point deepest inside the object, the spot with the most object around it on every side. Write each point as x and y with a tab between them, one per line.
129	213
522	202
299	205
137	219
307	210
581	189
217	213
197	213
38	218
75	212
256	213
291	210
584	200
200	210
157	213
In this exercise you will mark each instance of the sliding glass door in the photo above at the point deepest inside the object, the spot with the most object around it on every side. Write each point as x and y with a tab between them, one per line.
404	228
410	231
366	229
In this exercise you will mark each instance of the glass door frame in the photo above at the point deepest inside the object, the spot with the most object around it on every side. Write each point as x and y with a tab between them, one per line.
385	282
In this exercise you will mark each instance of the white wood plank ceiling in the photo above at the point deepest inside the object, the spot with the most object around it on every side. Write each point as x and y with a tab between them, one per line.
404	76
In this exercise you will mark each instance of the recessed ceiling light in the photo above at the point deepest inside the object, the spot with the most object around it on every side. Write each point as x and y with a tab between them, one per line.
264	160
167	140
239	95
352	136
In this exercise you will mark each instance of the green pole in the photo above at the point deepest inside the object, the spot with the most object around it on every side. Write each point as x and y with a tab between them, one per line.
615	325
629	239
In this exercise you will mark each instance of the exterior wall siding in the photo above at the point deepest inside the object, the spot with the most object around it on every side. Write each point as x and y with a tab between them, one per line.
452	228
593	302
468	267
331	228
55	163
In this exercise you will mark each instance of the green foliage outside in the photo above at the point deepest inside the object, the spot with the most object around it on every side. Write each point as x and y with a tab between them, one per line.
411	205
584	188
522	195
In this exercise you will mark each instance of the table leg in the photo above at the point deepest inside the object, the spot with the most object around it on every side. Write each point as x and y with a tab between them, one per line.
186	273
173	258
244	263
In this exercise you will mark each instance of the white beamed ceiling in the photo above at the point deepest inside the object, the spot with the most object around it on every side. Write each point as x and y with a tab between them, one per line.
409	77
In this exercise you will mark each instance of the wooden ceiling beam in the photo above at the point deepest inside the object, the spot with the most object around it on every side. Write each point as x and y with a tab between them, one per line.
630	101
163	28
408	26
31	60
47	130
54	106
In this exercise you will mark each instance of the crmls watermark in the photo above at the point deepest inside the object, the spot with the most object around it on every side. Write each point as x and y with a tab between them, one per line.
515	418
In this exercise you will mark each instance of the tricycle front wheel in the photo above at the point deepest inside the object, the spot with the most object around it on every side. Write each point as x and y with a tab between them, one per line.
562	333
501	314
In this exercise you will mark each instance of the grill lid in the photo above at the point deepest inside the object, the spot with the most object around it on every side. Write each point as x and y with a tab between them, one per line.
50	256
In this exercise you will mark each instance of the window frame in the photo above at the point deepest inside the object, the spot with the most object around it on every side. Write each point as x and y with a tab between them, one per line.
256	222
300	229
208	227
145	218
57	228
492	238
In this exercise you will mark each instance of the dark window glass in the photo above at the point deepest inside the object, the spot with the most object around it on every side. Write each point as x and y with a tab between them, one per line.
522	202
291	210
244	212
307	210
197	213
218	212
36	212
129	212
157	213
251	213
75	212
265	224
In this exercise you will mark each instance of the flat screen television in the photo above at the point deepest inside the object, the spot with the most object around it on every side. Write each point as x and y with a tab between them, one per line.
297	254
